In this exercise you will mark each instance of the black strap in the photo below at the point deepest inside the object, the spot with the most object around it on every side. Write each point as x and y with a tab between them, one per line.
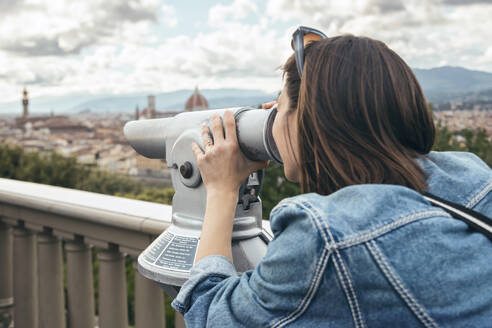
474	219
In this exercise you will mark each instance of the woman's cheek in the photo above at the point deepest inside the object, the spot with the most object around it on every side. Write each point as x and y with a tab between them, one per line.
290	174
278	136
294	169
279	131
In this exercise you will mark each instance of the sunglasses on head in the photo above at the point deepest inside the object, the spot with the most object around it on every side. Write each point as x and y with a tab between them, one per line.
301	37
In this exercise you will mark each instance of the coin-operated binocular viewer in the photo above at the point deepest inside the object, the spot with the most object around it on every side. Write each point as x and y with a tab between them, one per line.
169	258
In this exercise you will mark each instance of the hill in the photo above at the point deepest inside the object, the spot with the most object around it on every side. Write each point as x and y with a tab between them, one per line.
441	84
449	83
176	100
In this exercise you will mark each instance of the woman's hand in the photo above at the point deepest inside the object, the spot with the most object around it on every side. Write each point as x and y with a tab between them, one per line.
222	165
269	105
223	168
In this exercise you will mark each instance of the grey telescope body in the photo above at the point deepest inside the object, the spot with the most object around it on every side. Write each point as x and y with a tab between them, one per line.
169	258
153	138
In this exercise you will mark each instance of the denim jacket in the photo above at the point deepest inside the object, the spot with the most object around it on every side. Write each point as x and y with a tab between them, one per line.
365	256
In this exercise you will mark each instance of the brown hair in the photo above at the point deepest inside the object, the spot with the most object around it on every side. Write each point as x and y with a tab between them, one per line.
362	116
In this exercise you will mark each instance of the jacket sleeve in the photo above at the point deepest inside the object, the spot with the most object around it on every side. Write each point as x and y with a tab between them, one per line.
279	289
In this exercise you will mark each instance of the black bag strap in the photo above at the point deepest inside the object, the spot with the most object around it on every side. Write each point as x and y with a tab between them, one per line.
474	219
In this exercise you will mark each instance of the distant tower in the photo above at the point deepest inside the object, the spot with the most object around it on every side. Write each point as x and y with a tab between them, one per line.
137	113
196	102
25	103
151	106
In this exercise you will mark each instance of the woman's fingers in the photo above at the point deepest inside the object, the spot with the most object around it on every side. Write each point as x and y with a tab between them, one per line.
230	126
269	105
217	129
197	151
206	138
256	166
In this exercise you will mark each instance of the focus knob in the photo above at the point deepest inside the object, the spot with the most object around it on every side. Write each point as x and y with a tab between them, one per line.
186	170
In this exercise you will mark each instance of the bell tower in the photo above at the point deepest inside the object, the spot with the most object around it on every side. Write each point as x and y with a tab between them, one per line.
25	103
151	106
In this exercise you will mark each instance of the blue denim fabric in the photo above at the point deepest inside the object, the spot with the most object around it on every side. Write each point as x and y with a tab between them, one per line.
364	256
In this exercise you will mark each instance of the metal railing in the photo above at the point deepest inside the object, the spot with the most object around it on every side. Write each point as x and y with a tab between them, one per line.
44	229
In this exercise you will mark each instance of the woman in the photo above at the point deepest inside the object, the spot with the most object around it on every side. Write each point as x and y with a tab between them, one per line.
360	247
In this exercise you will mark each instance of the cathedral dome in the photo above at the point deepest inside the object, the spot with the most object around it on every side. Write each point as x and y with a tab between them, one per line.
196	101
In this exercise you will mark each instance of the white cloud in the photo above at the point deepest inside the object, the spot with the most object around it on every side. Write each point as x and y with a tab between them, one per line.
42	28
59	47
423	32
488	52
236	53
485	60
220	14
212	60
352	16
170	16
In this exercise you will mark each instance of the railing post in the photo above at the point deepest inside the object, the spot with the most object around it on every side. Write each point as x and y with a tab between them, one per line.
80	284
179	321
51	300
6	292
25	279
113	308
149	302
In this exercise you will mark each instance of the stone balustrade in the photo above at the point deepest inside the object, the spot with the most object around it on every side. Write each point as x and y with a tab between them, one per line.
48	236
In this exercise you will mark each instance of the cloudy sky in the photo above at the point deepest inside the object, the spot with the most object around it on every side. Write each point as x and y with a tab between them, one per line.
60	48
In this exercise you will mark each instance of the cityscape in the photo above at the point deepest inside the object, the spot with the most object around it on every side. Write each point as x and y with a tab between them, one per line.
472	118
97	138
94	139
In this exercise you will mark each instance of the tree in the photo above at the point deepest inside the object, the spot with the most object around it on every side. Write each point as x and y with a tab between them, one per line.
474	141
275	188
57	170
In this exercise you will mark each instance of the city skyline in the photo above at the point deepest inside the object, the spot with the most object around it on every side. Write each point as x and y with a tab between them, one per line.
59	48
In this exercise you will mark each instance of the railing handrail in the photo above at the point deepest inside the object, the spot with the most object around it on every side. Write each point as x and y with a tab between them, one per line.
131	223
109	210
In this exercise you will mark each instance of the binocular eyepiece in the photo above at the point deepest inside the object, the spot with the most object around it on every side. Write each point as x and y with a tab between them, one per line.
156	138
